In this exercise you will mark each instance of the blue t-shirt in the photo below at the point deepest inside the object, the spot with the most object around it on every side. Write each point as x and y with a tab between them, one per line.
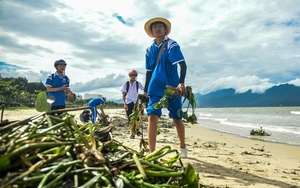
165	73
95	102
60	96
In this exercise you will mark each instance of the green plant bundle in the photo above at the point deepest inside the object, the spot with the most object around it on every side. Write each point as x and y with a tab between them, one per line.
259	132
51	151
169	92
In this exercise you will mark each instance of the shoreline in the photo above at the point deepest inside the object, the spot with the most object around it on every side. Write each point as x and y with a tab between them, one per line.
244	137
277	166
221	160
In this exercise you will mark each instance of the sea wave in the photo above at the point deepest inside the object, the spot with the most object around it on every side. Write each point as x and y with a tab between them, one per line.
295	112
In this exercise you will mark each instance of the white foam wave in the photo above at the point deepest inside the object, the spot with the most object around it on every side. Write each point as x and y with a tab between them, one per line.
206	115
295	112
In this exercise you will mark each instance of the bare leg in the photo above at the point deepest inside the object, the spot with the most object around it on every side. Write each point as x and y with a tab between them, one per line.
180	131
137	125
152	131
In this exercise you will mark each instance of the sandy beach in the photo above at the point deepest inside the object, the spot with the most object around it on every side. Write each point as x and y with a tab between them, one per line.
221	160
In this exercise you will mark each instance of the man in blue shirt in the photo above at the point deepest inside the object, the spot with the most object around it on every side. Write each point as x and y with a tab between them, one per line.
58	84
93	104
161	74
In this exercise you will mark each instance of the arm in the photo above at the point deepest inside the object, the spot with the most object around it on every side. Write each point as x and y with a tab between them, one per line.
54	89
124	100
69	91
101	109
148	77
183	68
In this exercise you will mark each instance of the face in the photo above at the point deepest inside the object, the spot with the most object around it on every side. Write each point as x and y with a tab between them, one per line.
60	68
132	77
158	29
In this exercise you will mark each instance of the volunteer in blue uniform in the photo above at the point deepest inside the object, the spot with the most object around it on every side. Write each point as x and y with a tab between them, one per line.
93	104
58	84
164	73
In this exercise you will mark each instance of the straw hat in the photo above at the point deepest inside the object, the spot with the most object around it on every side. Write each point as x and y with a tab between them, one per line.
157	19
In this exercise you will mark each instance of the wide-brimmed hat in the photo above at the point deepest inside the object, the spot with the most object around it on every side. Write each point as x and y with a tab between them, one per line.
147	26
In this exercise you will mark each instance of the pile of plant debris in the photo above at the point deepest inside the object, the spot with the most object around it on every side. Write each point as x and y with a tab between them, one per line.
259	132
55	151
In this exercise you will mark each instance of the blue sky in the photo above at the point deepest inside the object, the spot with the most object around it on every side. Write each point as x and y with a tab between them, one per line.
227	44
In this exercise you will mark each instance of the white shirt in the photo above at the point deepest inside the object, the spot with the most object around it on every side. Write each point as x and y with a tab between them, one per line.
132	94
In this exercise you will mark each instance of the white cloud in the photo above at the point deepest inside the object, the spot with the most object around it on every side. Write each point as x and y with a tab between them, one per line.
240	84
295	82
239	44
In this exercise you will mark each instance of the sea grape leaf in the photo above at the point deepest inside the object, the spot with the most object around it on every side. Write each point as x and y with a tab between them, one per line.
41	104
190	178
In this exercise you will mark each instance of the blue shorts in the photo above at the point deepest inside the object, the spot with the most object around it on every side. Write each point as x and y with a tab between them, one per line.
174	107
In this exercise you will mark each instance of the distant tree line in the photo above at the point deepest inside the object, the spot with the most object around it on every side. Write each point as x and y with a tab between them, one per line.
20	92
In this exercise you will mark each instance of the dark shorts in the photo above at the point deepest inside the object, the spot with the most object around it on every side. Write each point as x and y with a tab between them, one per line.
174	107
129	111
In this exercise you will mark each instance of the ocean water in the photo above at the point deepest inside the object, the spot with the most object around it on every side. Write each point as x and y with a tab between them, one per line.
283	123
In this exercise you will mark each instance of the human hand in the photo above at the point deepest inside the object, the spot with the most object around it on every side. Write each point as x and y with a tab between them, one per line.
69	92
125	106
182	89
64	87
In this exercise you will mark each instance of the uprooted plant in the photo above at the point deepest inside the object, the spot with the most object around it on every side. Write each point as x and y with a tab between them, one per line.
169	92
259	132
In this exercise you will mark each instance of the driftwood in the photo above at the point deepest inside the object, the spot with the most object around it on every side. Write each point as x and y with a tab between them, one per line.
70	109
262	149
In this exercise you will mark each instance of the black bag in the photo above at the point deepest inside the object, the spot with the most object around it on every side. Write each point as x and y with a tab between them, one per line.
85	116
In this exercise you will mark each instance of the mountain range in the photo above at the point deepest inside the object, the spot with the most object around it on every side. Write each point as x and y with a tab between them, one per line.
281	95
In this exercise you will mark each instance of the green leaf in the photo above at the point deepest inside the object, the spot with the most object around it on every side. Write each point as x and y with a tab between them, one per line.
166	103
168	92
160	103
193	119
158	131
41	104
185	115
133	117
190	178
174	159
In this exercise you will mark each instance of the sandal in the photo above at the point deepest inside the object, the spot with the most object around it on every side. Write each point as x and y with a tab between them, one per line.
132	136
138	132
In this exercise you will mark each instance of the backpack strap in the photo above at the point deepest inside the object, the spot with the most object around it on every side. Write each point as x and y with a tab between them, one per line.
137	86
160	51
127	86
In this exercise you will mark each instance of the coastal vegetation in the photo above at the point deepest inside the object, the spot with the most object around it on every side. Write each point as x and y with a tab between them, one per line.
18	92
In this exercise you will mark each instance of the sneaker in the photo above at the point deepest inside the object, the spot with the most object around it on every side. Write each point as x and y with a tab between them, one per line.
132	136
184	152
138	132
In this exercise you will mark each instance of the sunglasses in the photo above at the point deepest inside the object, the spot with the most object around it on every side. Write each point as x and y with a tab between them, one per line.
132	75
